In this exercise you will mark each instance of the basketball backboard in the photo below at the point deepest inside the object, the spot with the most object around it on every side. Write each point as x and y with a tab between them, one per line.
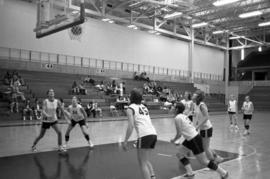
55	15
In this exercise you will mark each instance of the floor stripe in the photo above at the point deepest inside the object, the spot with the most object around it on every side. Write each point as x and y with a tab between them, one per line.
240	157
165	155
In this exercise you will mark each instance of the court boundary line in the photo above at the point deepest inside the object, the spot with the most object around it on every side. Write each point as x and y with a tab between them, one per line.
240	157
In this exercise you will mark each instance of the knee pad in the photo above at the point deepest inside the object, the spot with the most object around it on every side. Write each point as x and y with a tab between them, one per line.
67	138
212	165
184	161
247	127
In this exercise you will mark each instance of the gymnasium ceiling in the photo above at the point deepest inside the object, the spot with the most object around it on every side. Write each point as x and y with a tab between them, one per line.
149	15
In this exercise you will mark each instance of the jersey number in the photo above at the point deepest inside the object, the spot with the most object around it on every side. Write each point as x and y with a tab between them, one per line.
143	111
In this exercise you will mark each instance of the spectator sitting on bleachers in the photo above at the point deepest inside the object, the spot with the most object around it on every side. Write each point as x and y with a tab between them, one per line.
136	76
90	109
121	102
100	86
21	80
60	115
75	88
144	77
15	93
124	87
88	79
82	89
37	110
113	110
7	78
27	110
97	109
108	89
166	90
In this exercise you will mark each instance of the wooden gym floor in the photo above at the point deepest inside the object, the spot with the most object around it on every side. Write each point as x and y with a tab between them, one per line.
248	157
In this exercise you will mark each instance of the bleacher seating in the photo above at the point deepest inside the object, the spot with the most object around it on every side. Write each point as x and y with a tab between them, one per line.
40	82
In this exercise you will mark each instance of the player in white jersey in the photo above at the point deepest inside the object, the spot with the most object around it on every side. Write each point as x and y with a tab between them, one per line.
77	115
194	142
49	118
247	109
189	105
204	125
138	118
233	112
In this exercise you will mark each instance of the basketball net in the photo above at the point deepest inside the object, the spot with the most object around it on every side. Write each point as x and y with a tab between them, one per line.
75	32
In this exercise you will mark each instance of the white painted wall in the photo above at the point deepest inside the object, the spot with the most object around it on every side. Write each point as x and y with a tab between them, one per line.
208	60
103	41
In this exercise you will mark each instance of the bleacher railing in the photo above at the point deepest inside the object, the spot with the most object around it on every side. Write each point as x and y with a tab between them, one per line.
61	59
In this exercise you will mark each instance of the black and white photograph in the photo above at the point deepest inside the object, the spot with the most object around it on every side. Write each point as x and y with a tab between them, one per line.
134	89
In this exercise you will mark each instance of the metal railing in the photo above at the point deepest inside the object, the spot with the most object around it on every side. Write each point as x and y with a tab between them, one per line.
61	59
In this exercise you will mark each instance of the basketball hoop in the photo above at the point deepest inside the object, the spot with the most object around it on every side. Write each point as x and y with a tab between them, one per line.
75	32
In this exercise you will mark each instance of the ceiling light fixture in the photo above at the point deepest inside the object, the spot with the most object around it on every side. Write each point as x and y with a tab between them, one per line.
250	14
224	2
202	24
105	19
173	15
236	37
264	24
219	32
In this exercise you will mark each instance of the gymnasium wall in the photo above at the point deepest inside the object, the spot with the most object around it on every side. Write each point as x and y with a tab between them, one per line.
208	60
103	41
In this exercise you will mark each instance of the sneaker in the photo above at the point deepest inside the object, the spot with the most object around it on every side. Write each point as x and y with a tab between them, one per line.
34	148
225	176
236	127
189	175
135	144
91	145
61	149
65	146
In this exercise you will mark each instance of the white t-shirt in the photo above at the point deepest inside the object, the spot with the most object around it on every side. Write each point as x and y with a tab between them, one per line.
188	105
247	107
142	121
50	108
199	116
232	106
186	127
75	112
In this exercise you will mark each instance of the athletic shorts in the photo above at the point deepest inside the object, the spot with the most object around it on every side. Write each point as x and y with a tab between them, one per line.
80	122
247	116
206	133
190	118
195	145
232	113
47	125
147	142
